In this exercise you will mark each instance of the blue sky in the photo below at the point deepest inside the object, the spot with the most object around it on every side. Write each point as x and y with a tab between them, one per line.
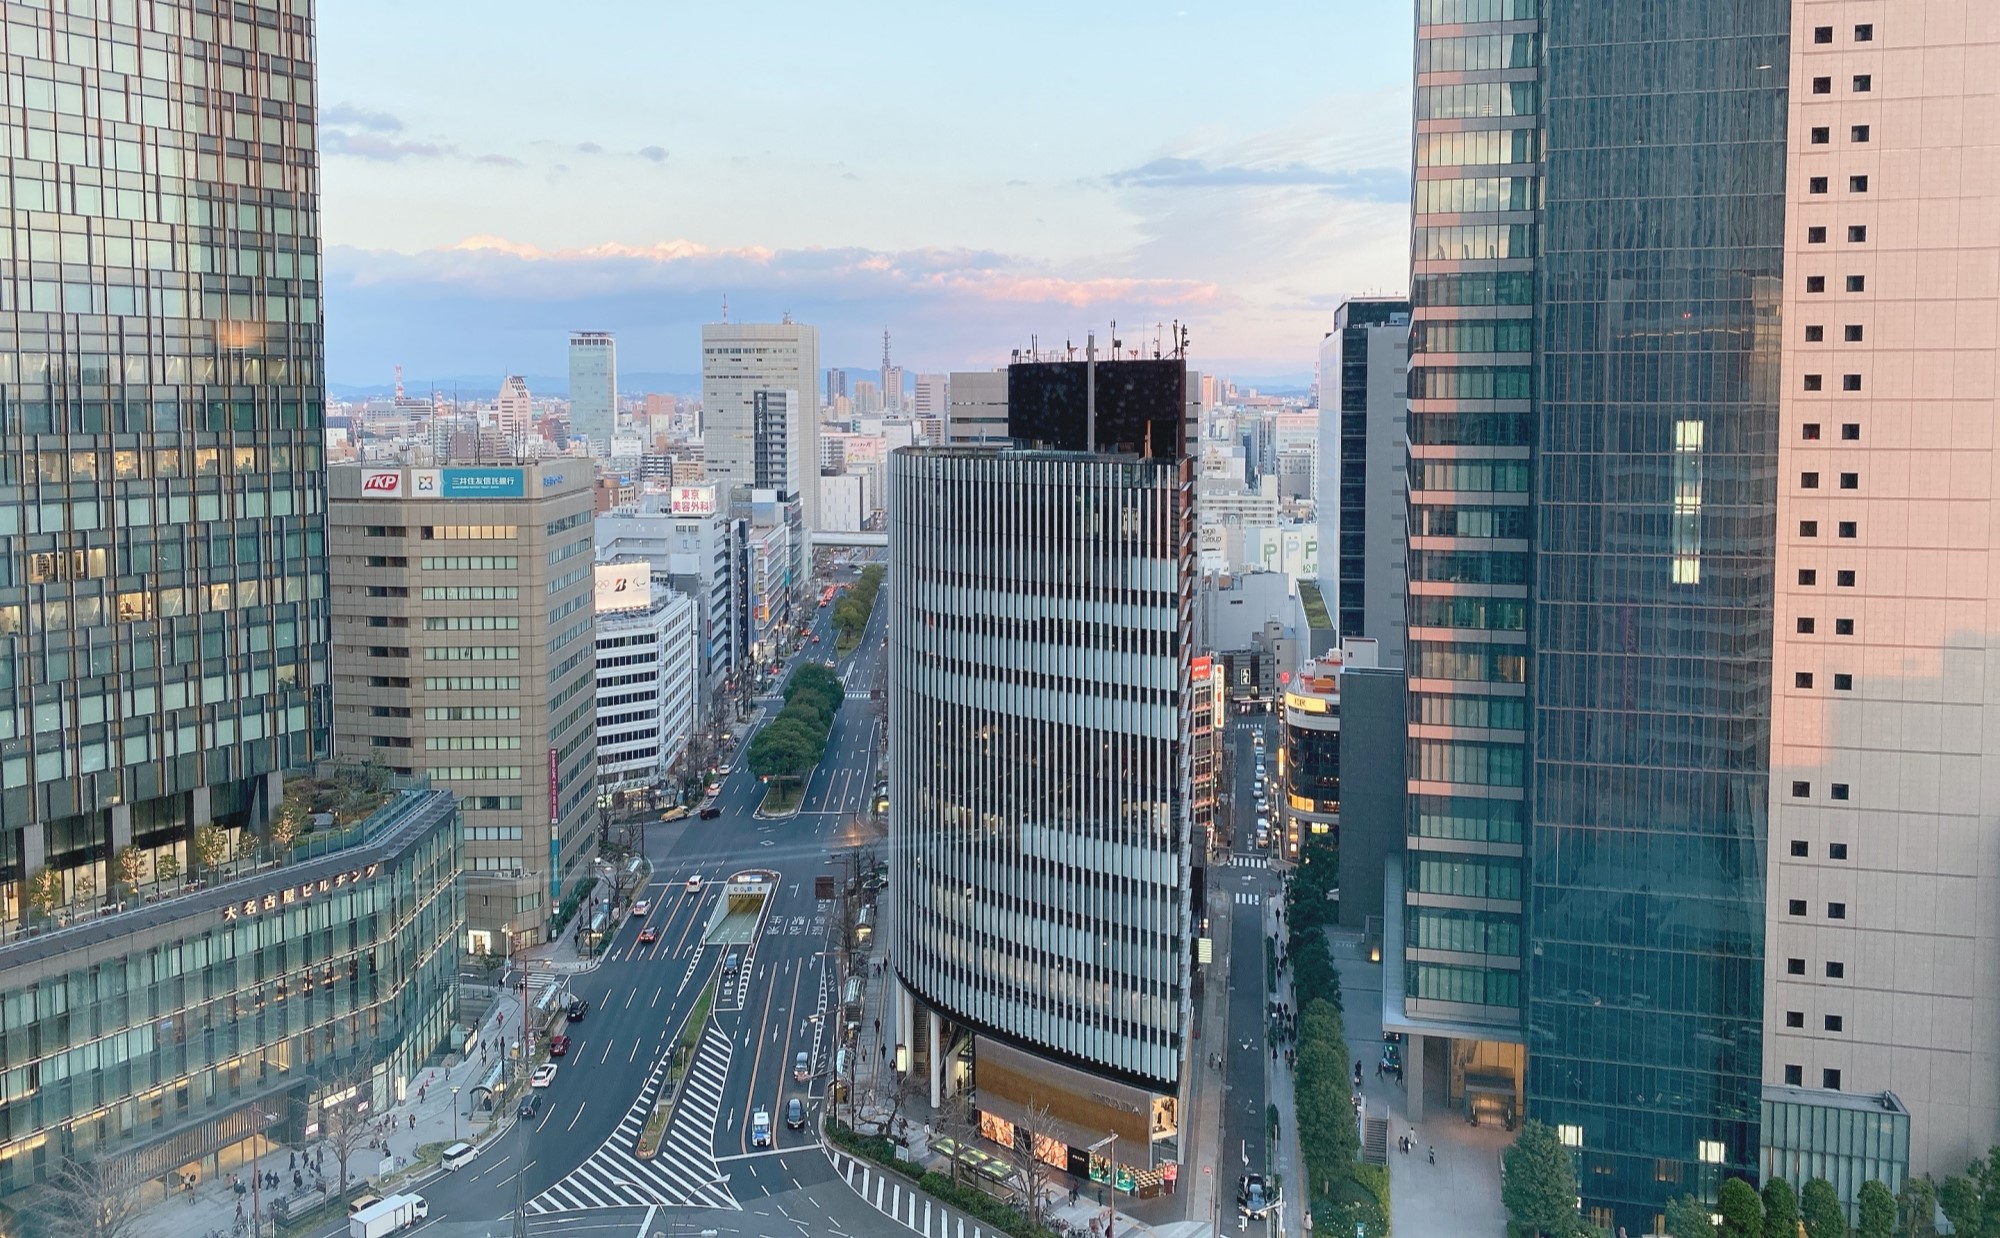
498	172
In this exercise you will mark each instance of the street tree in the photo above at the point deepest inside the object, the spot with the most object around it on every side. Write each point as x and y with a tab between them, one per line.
131	865
1876	1211
1031	1140
1742	1210
46	891
286	825
1539	1183
211	847
94	1199
1688	1217
1916	1209
1819	1208
166	869
1781	1209
345	1126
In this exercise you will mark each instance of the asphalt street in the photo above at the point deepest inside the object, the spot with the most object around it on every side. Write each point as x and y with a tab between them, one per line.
573	1159
1249	883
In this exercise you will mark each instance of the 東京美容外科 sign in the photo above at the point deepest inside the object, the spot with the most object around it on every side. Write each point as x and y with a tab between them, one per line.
483	484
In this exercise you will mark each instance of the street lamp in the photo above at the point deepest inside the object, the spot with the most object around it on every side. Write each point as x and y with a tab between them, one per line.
257	1175
454	1113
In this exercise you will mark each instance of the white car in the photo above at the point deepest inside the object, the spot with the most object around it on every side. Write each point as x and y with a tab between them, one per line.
545	1074
722	771
642	908
760	1129
694	884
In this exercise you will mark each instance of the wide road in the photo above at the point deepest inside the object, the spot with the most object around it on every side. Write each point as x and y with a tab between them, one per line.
576	1158
1249	884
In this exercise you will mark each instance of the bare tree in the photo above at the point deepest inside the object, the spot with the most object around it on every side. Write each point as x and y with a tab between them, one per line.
94	1199
347	1125
892	1092
1031	1140
958	1118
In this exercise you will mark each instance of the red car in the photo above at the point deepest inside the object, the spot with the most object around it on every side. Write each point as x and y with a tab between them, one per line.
648	935
558	1045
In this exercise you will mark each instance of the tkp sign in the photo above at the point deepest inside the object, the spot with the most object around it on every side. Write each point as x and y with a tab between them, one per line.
382	484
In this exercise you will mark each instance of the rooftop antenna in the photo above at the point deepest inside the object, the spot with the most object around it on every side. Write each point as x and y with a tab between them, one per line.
786	318
885	349
725	307
399	383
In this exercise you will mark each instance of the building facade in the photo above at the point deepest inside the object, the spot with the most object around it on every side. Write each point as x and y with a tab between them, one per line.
689	539
593	388
464	642
159	1035
1308	772
977	408
163	619
1363	503
1881	965
648	686
739	359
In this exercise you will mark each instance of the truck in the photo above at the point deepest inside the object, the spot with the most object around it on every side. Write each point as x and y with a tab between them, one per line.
394	1213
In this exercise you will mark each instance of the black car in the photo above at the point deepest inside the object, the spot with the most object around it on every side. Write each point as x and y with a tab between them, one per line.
710	813
1254	1198
529	1104
577	1009
795	1113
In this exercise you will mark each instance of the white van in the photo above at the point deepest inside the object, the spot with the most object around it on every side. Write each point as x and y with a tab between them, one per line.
459	1154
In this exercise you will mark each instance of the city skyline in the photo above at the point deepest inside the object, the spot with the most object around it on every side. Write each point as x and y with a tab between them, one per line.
472	222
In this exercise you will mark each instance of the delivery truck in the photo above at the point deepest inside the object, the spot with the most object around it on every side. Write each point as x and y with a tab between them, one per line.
394	1213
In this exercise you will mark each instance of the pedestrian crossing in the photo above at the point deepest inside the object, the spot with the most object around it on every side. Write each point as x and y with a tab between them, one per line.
894	1197
1248	900
1249	861
683	1172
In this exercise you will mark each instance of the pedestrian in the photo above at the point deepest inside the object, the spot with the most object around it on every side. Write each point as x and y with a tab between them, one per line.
239	1209
413	1121
295	1160
1378	1070
1434	1154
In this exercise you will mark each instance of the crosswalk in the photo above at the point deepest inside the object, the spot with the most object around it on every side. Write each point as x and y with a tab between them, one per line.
684	1171
894	1197
1249	861
1244	899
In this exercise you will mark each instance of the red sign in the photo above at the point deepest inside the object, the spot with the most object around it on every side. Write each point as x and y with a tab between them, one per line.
383	483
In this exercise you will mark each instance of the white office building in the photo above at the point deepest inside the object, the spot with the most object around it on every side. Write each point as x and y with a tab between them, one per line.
738	360
593	387
647	687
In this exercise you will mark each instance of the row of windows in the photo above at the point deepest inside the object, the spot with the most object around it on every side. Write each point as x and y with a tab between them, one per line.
1468	429
1797	907
166	462
1429	660
1470	567
1469	762
1479	614
1457	876
567	579
1473	932
491	803
1476	986
1468	100
1474	147
1508	713
568	552
471	593
1456	12
472	683
1469	818
472	743
472	713
473	653
469	563
1438	335
470	532
1459	288
1492	476
493	833
1471	382
1844	528
1510	522
472	623
1471	54
565	524
1469	242
1481	193
473	773
1802	850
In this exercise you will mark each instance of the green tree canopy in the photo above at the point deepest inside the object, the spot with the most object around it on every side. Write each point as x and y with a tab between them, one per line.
1877	1209
1742	1210
1819	1208
1781	1209
1916	1209
1688	1217
1540	1189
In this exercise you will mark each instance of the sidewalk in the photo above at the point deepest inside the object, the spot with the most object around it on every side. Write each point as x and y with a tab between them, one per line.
1279	1086
439	1098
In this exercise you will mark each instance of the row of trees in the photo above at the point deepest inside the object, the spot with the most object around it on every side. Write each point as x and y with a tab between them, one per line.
791	744
851	611
133	868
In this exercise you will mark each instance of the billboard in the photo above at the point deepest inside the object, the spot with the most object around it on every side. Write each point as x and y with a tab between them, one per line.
484	484
624	586
694	501
381	483
424	483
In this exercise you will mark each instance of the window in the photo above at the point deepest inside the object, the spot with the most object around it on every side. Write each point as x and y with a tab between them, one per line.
1843	627
1795	1018
1808	481
1865	32
1815	283
1816	236
1805	625
1808	576
1857	232
1843	682
1844	578
1802	679
1795	1076
1857	184
1833	1023
1863	83
1830	1079
1809	431
1848	528
1801	848
1812	382
1571	1134
1815	333
1796	907
1851	332
1836	971
1836	911
1821	135
1850	382
1839	790
1850	481
1822	85
1858	133
1822	34
1857	283
1815	184
1801	789
1836	851
1795	967
1808	528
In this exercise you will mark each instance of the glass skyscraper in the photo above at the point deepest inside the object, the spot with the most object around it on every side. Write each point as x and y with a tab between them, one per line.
163	625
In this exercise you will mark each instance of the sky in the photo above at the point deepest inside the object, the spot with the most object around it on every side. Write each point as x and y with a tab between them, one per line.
497	173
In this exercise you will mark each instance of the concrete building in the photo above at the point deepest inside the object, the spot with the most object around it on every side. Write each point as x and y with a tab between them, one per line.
1039	760
150	683
932	397
766	537
844	504
514	409
1364	458
1881	962
739	359
159	1034
593	388
688	538
462	642
977	411
648	677
867	398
